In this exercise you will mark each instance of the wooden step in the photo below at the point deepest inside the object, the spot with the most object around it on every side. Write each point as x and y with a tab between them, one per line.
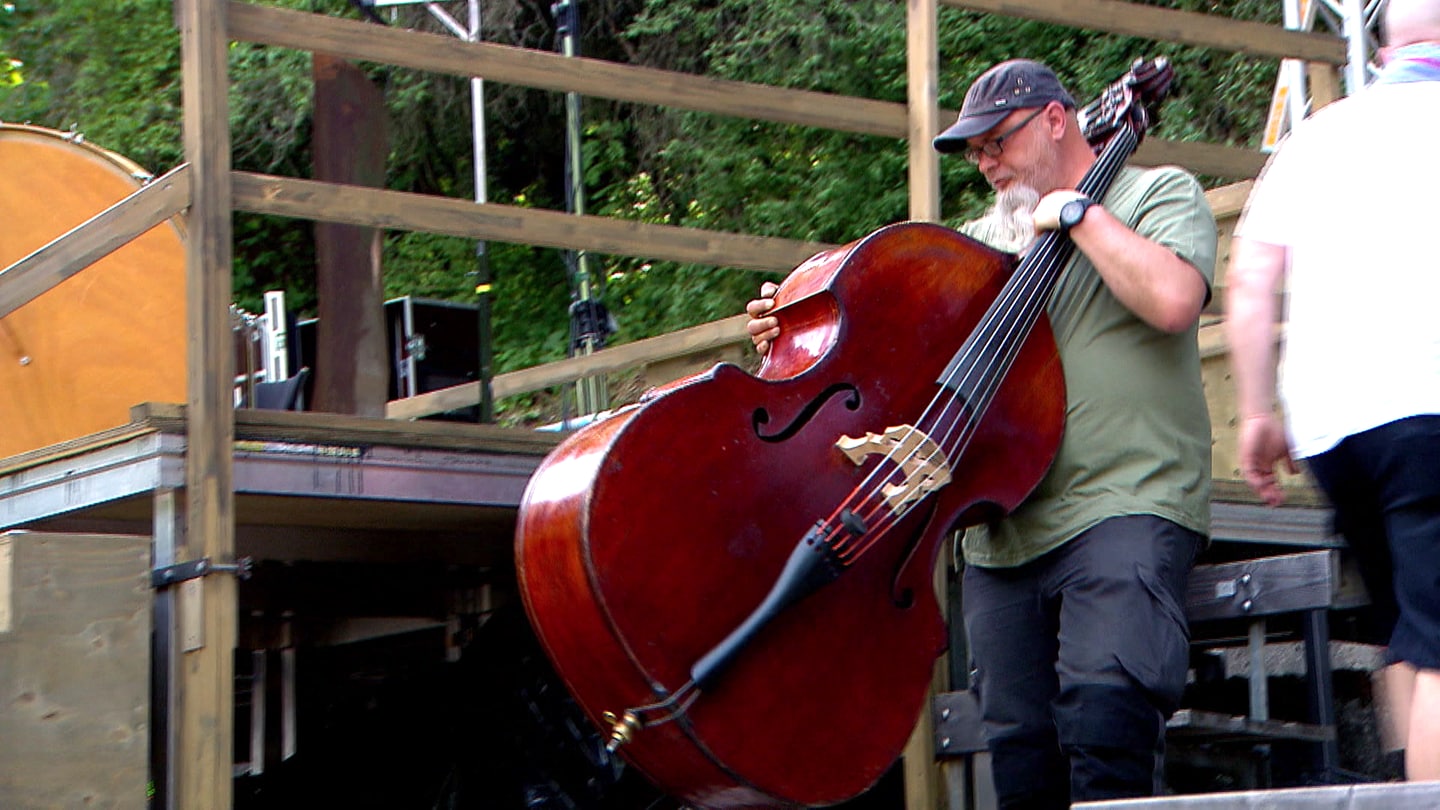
1194	725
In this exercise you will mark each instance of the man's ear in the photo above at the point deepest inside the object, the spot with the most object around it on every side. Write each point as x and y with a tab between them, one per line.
1058	118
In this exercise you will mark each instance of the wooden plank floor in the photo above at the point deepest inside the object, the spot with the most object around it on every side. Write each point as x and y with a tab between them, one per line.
1387	796
311	472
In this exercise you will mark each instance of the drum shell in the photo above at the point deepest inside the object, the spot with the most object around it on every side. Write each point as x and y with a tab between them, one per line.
75	359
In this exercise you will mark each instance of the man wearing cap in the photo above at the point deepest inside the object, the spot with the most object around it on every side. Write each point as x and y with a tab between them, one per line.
1073	603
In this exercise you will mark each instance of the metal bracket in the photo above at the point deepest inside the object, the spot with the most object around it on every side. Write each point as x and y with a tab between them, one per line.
182	572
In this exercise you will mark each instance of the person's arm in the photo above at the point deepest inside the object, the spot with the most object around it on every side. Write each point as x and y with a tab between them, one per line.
1161	288
1257	272
1254	281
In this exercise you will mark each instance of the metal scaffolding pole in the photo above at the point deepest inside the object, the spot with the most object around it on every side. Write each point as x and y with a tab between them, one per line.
481	274
589	320
1357	21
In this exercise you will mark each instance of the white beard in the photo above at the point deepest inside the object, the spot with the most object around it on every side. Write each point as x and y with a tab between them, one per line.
1012	219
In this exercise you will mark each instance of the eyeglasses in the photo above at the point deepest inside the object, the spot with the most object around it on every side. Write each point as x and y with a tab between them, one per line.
994	148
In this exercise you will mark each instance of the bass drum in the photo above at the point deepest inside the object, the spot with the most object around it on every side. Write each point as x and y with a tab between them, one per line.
74	360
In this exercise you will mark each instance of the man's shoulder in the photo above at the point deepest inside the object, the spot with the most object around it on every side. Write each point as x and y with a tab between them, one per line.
1147	178
1142	187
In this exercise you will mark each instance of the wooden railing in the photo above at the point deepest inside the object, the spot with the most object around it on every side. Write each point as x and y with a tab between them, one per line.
701	341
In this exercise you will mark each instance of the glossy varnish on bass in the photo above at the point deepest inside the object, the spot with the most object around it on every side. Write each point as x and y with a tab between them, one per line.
645	539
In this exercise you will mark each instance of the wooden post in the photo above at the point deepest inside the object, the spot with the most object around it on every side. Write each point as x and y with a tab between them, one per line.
922	777
206	692
1324	83
350	137
924	114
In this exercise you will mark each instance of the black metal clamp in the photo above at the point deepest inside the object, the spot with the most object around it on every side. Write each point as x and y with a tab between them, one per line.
180	572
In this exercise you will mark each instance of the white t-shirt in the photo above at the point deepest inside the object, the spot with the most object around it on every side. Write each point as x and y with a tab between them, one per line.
1354	193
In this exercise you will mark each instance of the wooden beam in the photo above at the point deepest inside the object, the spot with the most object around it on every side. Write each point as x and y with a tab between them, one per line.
349	142
923	790
355	205
206	699
1225	201
1324	83
1229	201
1212	159
704	337
94	239
343	430
308	199
1262	587
1171	25
596	78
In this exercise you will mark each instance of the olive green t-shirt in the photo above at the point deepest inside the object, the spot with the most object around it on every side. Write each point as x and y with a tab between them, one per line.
1137	431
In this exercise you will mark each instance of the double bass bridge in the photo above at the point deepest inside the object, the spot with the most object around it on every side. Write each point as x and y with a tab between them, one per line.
922	464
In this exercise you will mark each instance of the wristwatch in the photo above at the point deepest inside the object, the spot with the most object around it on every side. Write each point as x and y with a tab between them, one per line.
1072	212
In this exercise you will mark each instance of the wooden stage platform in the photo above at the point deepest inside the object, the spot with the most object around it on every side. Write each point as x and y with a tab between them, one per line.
303	481
1389	796
360	534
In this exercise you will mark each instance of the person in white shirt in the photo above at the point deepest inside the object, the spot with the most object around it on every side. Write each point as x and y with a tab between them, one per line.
1341	221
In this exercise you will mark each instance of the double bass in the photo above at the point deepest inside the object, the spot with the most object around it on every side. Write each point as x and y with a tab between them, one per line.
733	576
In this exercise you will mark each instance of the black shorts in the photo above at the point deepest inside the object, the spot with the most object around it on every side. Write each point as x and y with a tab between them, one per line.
1384	484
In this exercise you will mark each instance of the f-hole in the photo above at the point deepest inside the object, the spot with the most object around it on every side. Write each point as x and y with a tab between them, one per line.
761	417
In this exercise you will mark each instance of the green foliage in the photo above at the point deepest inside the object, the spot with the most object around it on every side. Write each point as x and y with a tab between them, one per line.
271	107
110	70
10	74
273	253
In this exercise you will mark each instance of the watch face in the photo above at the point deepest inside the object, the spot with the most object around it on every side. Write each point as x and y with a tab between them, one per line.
1071	213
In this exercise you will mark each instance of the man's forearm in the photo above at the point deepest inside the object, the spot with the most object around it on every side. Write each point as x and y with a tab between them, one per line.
1254	280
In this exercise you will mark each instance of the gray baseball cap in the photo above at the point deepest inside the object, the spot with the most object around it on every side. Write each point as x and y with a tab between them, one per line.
1014	85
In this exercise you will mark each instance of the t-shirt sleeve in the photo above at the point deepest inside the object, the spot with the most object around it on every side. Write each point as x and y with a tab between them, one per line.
1174	213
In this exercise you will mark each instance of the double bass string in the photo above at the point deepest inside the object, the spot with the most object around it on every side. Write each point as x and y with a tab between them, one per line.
1014	319
952	410
1007	325
999	327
